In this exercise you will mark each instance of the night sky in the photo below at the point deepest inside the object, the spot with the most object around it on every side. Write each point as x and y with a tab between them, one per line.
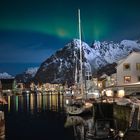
32	30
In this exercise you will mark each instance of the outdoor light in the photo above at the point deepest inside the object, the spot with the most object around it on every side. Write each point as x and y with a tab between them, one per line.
8	90
121	134
109	93
121	93
67	102
99	85
27	91
96	93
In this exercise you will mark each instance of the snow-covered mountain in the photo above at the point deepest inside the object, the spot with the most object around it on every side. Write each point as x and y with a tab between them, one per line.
112	52
31	71
60	67
5	75
27	75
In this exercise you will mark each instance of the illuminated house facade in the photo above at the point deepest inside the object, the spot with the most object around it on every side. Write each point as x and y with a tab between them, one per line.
127	77
128	71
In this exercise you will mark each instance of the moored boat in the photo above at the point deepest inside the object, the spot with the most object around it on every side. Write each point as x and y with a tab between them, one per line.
79	107
80	104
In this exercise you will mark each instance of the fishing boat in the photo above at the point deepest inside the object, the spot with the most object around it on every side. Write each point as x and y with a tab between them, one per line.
80	105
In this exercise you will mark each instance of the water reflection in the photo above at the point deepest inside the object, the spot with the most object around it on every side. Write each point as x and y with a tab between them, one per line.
80	126
32	103
34	116
89	129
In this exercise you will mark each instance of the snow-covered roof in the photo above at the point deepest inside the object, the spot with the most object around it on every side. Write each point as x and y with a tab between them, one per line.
132	53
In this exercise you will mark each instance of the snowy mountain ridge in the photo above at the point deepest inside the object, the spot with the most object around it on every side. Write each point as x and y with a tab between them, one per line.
5	75
32	71
61	65
27	75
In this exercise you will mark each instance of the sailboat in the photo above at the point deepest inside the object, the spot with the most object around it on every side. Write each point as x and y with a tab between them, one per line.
79	104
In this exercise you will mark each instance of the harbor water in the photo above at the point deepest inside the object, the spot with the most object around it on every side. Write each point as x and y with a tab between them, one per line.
43	117
36	117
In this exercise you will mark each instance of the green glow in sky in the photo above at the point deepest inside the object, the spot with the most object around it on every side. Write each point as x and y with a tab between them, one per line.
34	29
56	27
101	19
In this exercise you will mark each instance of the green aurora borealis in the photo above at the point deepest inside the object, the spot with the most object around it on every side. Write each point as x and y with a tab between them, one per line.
100	19
35	29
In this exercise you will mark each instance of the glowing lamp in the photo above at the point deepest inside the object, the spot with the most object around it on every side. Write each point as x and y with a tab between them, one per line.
67	102
121	134
121	93
109	93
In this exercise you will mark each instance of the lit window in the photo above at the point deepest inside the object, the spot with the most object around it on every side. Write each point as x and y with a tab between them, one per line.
126	66
138	66
127	79
138	78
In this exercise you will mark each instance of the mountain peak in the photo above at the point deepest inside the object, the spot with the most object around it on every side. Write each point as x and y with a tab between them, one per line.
60	67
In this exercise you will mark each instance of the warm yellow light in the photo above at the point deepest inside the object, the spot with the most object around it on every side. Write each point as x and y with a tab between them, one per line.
109	93
121	134
121	93
67	102
99	85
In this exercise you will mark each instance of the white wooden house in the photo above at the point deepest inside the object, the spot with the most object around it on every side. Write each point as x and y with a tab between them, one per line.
126	80
128	73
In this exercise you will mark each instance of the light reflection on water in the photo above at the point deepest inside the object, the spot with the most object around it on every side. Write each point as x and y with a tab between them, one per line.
44	117
37	117
32	103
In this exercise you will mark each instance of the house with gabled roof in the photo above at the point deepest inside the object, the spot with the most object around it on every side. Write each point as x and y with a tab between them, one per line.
127	77
128	73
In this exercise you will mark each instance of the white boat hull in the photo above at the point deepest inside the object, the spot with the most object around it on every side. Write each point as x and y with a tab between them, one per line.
78	110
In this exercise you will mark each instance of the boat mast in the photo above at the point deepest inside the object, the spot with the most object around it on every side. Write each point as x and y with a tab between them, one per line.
81	73
75	80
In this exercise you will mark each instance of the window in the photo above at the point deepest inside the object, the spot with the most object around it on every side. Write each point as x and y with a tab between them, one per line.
138	66
127	79
138	78
126	66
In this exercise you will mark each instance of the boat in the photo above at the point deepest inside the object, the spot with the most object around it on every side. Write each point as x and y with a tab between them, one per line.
80	104
68	93
79	107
